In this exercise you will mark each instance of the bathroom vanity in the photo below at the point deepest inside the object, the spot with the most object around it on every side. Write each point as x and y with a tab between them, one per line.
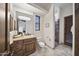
23	45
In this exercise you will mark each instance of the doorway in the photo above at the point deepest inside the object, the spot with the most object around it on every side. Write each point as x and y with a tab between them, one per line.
57	24
56	33
67	30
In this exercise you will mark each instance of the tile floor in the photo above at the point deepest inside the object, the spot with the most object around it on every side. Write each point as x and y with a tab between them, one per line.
60	50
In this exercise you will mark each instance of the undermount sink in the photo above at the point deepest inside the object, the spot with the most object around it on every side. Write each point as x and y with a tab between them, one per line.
16	36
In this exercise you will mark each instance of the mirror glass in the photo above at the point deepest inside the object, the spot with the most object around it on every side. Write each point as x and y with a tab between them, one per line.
22	26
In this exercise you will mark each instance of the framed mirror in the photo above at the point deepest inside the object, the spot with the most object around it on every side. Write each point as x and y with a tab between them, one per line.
11	23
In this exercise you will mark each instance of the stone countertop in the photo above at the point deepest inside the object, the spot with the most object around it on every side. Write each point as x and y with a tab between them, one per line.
23	37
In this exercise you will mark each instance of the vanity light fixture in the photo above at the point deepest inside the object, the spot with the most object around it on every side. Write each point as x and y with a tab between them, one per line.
24	18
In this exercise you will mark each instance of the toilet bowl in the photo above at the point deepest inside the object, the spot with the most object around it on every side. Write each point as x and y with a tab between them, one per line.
41	44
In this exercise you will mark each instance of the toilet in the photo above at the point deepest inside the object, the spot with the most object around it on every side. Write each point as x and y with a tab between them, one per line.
40	43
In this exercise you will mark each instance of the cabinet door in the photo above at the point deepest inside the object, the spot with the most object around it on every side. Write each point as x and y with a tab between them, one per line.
18	48
29	48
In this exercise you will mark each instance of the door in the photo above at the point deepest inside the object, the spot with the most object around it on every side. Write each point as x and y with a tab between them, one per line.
77	29
3	27
67	29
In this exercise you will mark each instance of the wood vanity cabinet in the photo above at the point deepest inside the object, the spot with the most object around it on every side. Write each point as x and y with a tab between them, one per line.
24	47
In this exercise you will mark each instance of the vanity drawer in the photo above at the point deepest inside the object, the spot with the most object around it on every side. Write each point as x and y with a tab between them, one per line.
18	42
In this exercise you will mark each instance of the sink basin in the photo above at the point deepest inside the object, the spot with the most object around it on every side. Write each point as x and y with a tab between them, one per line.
16	36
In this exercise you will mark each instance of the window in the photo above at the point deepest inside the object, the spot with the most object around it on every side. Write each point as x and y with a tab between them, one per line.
37	23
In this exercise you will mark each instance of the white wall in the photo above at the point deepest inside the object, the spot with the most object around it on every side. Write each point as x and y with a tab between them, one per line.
64	11
49	28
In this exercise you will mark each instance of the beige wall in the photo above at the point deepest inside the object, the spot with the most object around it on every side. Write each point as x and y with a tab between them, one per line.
49	28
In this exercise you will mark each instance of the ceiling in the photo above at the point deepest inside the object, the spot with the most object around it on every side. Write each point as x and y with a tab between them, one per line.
29	9
45	6
62	5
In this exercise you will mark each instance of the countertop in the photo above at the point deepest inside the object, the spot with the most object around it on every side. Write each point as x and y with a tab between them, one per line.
23	37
